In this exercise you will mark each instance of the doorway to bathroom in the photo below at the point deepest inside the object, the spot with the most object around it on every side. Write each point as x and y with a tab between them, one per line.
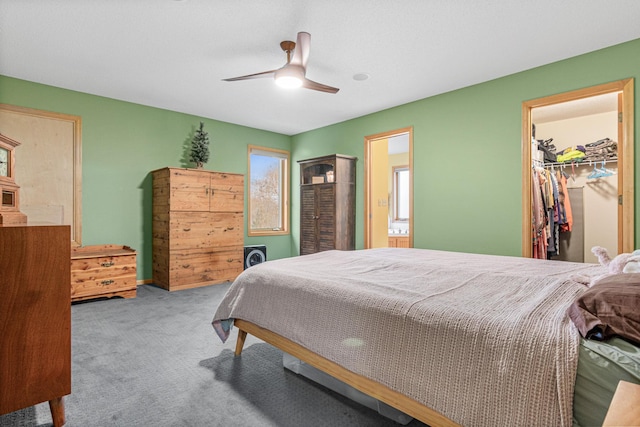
389	189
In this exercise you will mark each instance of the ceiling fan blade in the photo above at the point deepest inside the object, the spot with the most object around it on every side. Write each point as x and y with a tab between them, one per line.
310	84
252	76
301	51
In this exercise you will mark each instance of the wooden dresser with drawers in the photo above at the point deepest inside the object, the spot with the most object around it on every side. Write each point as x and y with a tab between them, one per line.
198	227
35	318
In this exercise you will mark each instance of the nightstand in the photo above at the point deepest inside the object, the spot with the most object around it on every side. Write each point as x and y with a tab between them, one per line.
625	406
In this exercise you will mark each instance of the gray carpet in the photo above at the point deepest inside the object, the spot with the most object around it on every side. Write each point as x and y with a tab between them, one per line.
155	361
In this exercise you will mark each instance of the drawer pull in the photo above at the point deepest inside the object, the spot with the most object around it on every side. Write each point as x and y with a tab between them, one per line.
107	264
186	229
106	282
229	259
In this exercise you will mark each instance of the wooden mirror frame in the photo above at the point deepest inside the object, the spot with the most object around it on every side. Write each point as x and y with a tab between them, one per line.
76	141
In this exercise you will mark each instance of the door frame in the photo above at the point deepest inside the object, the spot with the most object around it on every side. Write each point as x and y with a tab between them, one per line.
626	160
368	173
69	155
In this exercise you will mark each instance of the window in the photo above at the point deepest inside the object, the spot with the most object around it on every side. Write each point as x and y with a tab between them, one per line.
268	191
401	193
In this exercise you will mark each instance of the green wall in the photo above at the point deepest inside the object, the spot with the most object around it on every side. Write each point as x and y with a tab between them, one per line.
467	168
121	144
467	151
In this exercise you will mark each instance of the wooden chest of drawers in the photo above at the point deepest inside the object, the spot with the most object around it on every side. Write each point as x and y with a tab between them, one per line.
103	271
198	227
35	318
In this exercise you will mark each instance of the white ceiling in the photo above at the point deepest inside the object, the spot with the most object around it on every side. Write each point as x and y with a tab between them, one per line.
398	144
174	54
580	107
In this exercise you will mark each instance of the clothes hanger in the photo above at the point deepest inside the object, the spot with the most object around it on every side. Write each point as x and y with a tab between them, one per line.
609	172
595	173
599	172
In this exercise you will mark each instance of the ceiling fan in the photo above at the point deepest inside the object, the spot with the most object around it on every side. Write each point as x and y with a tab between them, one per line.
292	74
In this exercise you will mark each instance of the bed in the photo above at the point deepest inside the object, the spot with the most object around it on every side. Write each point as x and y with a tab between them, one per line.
447	338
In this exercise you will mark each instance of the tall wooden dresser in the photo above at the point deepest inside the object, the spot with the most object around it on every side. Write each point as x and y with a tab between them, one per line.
35	318
198	227
327	203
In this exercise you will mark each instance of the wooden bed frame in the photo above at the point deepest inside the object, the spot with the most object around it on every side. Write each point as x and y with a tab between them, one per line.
365	385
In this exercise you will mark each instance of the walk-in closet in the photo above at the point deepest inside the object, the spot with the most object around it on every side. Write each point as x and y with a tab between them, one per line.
574	169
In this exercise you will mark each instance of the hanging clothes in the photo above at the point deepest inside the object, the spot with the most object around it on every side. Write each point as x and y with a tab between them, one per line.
567	224
539	215
551	211
553	247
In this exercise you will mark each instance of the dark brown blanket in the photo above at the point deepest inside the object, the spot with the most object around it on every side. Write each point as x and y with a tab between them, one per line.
611	307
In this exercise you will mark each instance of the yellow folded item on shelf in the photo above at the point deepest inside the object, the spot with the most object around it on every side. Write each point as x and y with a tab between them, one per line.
571	155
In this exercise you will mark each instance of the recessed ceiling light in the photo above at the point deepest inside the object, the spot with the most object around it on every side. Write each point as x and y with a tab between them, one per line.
360	77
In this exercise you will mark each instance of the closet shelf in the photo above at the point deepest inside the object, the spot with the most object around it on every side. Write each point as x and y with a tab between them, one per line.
582	163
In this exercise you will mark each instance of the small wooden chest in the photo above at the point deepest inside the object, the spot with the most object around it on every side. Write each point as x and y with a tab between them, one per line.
103	271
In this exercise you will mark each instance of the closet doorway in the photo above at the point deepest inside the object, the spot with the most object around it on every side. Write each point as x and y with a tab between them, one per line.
601	183
388	176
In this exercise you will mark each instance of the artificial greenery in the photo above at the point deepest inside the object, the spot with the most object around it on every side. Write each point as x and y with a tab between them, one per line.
200	147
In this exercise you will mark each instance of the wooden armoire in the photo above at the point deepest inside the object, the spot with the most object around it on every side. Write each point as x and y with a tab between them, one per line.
198	227
327	203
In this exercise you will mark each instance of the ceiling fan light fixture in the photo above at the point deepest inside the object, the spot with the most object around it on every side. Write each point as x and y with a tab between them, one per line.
289	82
293	74
289	77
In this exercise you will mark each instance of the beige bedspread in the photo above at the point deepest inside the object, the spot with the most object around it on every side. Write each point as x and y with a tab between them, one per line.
482	339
